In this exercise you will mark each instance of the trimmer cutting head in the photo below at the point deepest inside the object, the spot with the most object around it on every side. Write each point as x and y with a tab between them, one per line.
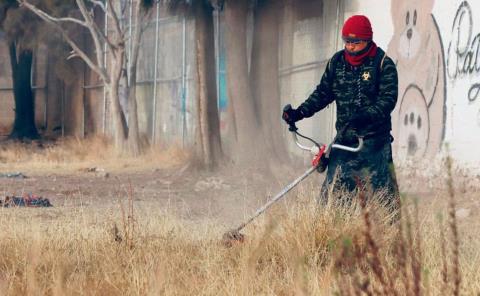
232	237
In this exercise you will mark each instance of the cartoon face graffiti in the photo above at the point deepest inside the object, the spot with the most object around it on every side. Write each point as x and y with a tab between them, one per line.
411	20
413	120
417	50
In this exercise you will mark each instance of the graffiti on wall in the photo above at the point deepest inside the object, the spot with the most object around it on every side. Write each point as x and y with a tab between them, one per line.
463	56
417	49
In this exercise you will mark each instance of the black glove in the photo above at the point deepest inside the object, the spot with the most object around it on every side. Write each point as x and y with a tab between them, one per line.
323	164
291	115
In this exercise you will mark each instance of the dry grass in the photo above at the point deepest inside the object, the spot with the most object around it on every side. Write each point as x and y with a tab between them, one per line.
72	154
296	250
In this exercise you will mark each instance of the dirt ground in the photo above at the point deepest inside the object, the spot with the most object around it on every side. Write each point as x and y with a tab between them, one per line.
223	196
226	196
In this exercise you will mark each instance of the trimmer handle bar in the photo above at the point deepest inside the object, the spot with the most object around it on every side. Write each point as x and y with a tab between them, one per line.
316	147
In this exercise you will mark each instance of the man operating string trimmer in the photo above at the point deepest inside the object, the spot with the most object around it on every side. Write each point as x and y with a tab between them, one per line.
363	82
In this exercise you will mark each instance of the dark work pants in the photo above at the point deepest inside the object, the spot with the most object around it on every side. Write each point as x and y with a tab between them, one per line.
372	166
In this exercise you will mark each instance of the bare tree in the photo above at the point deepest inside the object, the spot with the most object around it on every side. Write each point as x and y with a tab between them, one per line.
21	63
112	72
21	32
264	74
208	148
249	146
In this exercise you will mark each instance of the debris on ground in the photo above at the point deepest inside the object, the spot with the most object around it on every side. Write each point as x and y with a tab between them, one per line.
211	183
16	175
28	200
99	172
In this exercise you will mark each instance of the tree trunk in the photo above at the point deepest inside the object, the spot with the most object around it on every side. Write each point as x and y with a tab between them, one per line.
134	145
265	74
239	92
119	128
208	143
24	124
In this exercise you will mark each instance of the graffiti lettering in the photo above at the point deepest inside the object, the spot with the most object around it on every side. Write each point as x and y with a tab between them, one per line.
463	50
474	92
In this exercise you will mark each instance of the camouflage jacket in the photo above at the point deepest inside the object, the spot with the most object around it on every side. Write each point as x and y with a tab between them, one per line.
369	90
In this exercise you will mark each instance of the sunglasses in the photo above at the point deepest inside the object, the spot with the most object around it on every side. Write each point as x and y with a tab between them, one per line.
352	41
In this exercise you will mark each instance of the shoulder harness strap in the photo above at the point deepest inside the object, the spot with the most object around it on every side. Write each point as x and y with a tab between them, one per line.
378	65
379	59
332	64
381	63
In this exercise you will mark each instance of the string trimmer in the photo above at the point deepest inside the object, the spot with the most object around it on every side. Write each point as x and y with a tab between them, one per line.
319	163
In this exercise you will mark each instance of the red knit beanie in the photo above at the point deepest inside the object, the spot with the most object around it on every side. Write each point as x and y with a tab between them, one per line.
357	27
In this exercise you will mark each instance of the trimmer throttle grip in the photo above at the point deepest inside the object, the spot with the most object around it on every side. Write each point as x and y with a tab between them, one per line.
287	108
291	126
322	164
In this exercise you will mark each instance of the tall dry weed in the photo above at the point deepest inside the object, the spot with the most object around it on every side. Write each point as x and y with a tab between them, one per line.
398	266
453	228
70	154
298	248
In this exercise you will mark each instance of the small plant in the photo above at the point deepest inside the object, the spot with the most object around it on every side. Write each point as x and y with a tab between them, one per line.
127	233
397	267
456	276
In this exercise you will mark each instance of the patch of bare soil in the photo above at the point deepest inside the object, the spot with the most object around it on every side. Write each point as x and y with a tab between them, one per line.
227	195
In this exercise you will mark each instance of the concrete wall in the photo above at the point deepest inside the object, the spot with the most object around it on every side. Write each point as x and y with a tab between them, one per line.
308	39
7	103
436	45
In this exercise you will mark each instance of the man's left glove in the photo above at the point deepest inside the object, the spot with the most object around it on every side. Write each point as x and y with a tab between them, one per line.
291	115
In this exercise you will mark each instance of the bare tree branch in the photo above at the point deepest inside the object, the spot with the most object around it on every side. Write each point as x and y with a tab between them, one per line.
98	3
139	28
43	15
137	35
116	21
94	31
146	14
100	32
72	55
103	35
123	7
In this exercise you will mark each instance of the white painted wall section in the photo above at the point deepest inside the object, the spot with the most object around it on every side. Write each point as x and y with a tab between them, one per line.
436	45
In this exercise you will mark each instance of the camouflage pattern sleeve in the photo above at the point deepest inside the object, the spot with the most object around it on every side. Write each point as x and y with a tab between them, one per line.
387	93
321	96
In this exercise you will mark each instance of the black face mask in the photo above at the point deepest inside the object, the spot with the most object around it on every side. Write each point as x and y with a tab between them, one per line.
363	51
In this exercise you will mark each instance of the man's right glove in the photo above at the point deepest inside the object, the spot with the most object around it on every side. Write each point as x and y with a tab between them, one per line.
323	164
291	115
